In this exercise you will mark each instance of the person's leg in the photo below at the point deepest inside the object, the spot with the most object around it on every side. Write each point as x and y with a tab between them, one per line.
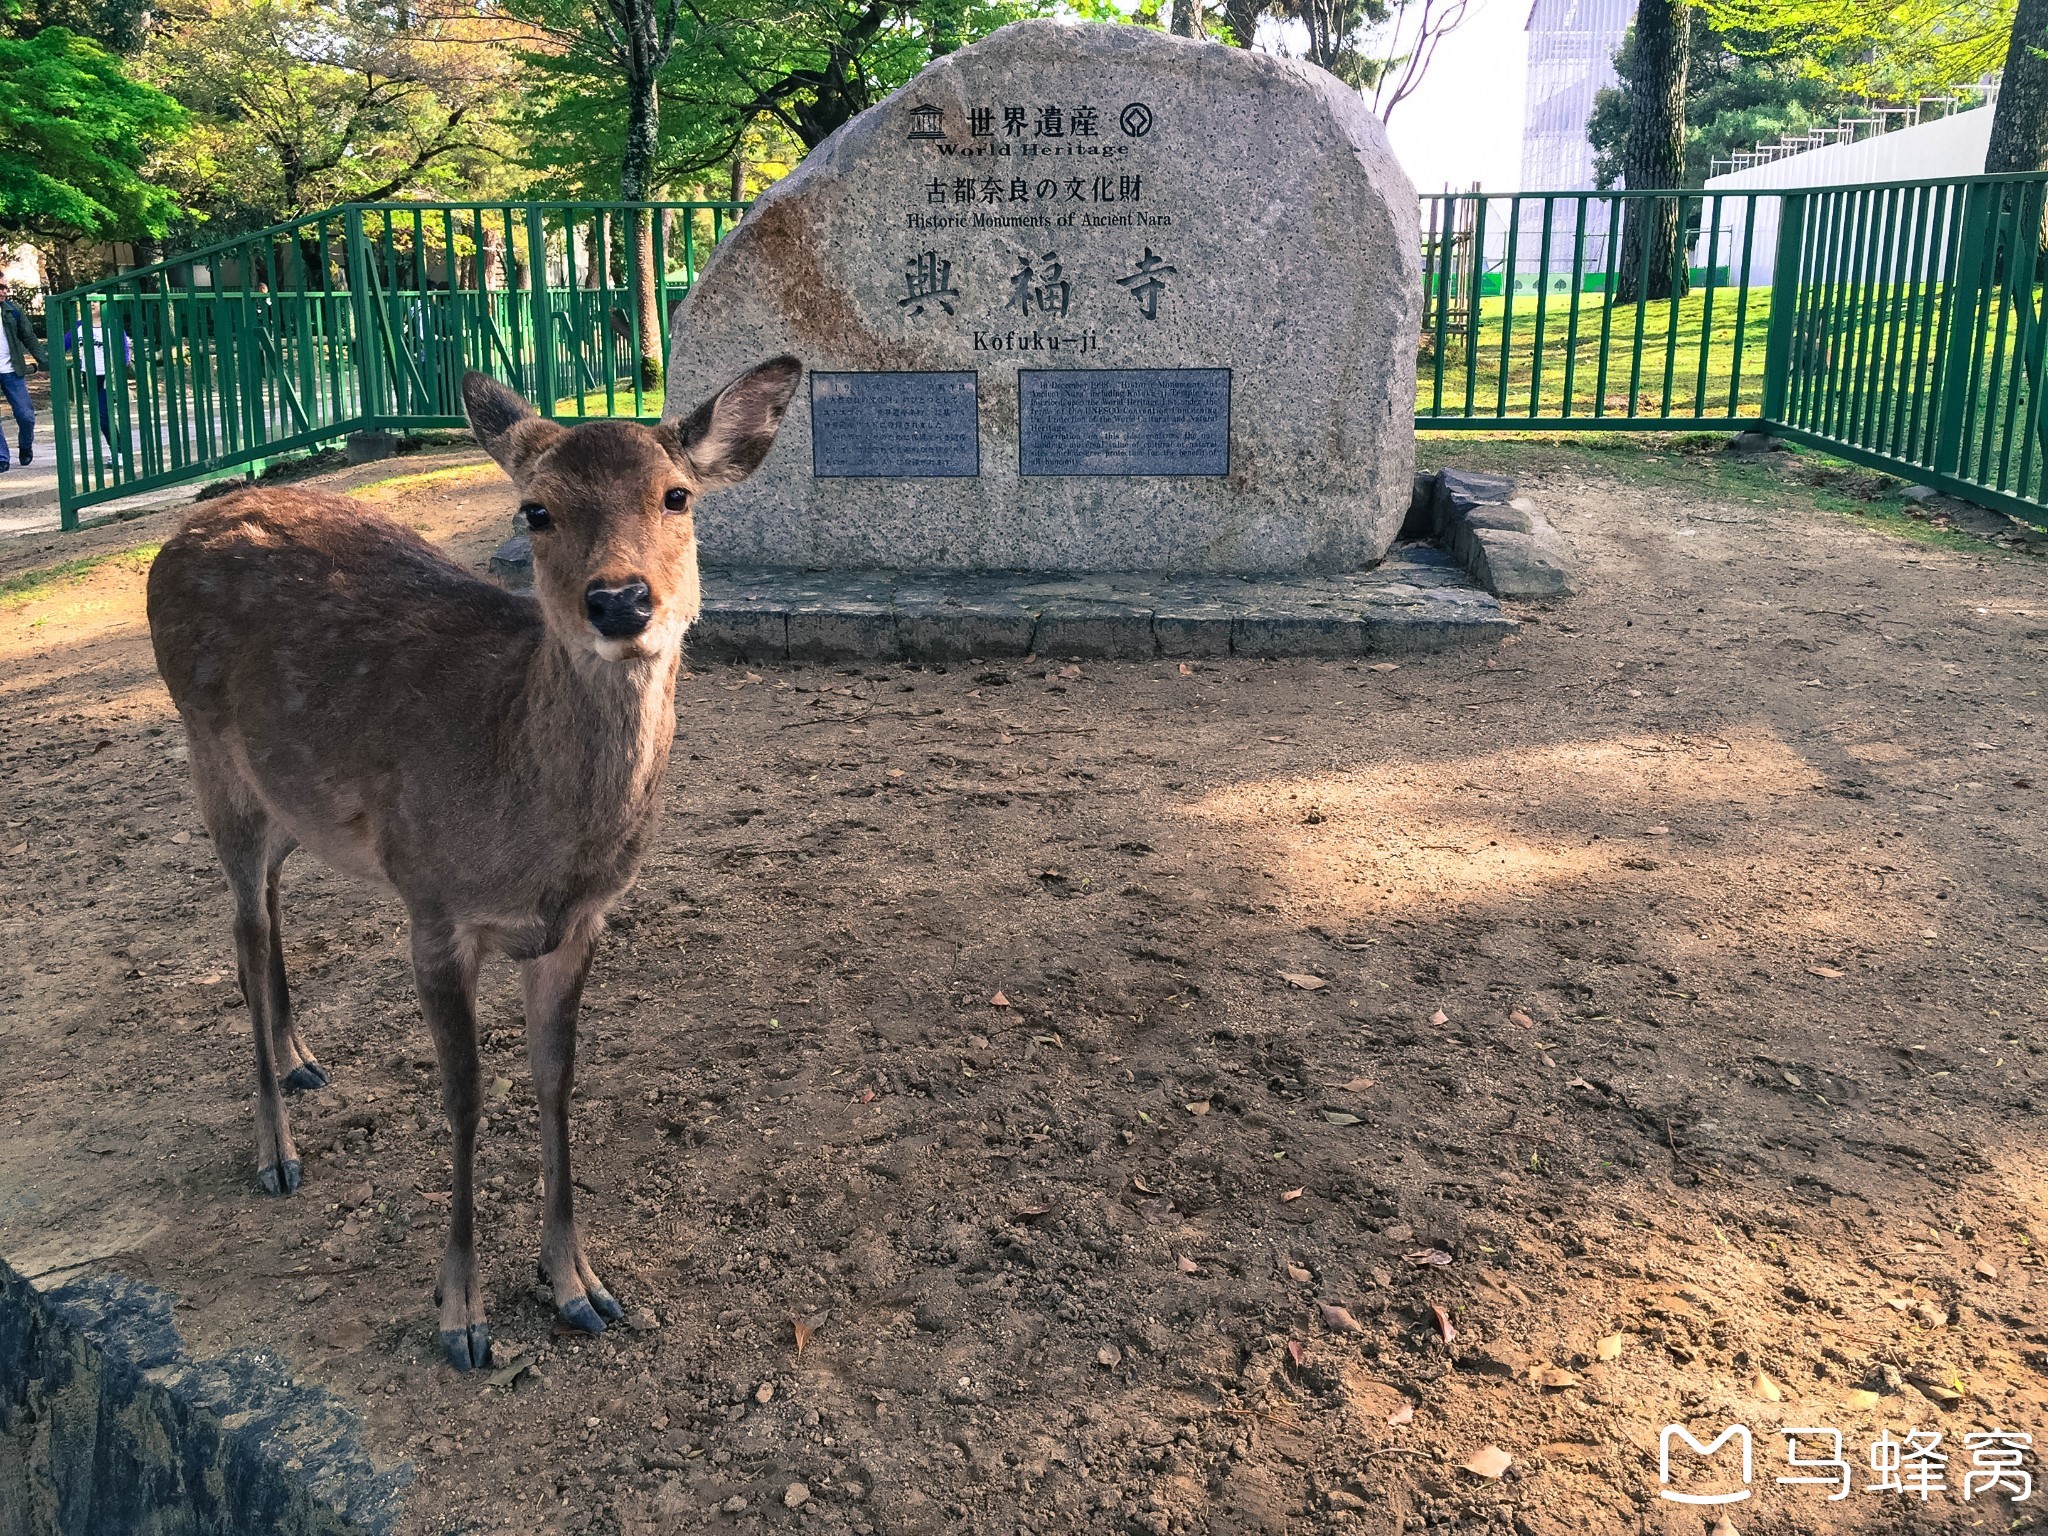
99	381
15	388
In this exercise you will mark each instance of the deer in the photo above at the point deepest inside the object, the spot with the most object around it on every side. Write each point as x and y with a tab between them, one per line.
497	759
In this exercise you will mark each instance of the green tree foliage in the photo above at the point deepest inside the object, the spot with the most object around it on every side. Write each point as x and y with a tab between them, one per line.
1886	50
300	104
803	66
75	134
119	26
1740	91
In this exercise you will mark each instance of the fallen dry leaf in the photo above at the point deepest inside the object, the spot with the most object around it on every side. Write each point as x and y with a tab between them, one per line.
1384	666
999	1001
1340	1318
1405	1414
1187	1265
181	837
1339	1117
1186	670
803	1331
1862	1398
1439	1018
1823	970
1199	1107
1488	1461
1297	1274
1443	1324
1723	1526
1297	1352
1303	980
1768	1389
1610	1348
1357	1085
1428	1256
1987	1269
1110	1356
1553	1378
1292	1194
1521	1019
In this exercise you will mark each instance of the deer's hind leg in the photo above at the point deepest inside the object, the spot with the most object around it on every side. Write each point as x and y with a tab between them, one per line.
250	847
291	1055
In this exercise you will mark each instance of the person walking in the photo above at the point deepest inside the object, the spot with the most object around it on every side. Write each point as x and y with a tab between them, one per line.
19	352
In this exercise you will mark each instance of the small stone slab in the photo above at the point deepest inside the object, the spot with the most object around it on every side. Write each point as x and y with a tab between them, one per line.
1417	600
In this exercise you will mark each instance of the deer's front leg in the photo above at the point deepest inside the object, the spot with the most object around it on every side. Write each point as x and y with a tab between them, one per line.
444	965
554	991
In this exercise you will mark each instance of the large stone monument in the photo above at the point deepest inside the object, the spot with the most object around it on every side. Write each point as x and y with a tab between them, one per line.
1077	298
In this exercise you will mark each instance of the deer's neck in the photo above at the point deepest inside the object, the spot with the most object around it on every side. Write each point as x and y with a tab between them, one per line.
595	735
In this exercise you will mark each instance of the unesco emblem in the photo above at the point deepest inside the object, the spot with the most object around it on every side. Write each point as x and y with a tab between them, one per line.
1136	120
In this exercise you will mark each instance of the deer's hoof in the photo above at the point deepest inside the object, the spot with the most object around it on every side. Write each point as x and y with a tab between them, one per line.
578	1313
607	1308
305	1078
279	1178
468	1349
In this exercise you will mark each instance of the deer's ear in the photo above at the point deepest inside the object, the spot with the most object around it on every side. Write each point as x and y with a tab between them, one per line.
725	439
505	425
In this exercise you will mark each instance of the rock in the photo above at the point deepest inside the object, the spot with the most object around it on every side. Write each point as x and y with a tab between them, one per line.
358	1195
512	563
1753	442
736	1505
1525	565
1919	493
985	285
1340	1498
1458	491
643	1321
1110	1356
368	447
795	1496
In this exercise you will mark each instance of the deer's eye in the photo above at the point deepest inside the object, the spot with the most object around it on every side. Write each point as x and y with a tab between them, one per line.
676	500
536	516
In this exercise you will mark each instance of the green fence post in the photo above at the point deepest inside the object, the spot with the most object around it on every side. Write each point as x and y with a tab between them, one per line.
543	329
1958	358
1784	306
60	414
369	393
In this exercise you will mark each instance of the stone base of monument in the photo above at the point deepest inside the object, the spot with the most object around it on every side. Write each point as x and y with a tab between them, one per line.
1418	599
107	1424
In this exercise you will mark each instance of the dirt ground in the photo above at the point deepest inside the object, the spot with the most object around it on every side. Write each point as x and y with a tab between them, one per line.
1669	993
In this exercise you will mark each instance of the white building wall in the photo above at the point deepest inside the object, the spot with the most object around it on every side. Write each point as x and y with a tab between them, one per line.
1950	146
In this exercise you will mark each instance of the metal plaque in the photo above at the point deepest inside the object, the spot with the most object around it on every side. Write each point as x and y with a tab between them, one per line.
900	426
1123	421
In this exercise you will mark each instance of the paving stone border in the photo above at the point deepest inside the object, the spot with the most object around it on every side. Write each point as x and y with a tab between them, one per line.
108	1428
1416	600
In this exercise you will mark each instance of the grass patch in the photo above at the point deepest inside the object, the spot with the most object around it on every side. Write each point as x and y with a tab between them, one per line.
426	477
1694	340
30	586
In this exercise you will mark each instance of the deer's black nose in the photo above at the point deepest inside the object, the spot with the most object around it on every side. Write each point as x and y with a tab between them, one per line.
621	611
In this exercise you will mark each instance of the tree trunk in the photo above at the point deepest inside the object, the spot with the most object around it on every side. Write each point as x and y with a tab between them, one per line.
1187	19
738	185
2019	123
1654	154
1242	17
636	167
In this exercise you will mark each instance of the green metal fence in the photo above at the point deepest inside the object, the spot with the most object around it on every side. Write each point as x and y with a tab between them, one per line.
1900	326
364	317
